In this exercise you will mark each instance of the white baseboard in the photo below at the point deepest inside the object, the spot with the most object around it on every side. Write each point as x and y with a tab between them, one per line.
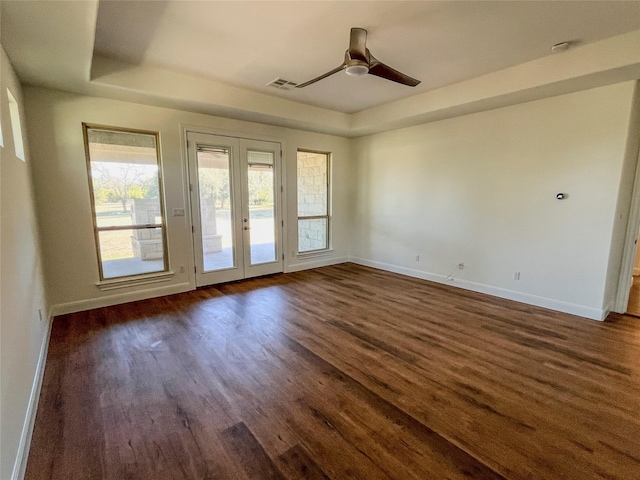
608	309
116	299
320	262
20	465
550	303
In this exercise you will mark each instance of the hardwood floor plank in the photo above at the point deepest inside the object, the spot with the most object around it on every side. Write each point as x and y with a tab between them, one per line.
248	452
339	372
399	444
495	419
296	464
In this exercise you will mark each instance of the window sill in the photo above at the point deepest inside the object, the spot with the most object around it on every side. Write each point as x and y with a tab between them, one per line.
116	283
316	253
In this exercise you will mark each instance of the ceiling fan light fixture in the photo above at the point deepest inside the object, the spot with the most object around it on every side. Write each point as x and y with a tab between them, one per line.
357	70
358	61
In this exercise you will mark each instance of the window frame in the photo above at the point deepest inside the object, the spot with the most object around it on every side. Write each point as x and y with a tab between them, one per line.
97	229
16	127
327	216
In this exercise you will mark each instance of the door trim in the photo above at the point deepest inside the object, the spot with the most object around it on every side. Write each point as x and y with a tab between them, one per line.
625	278
279	197
632	160
265	268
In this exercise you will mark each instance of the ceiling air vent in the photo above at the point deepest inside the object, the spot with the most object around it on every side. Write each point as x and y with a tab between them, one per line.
282	84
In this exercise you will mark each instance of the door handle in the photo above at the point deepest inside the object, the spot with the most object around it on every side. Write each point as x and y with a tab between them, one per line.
246	228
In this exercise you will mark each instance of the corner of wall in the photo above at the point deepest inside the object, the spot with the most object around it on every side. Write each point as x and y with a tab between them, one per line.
24	332
627	216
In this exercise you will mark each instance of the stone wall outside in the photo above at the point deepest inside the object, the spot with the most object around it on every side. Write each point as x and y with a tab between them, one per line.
312	201
147	242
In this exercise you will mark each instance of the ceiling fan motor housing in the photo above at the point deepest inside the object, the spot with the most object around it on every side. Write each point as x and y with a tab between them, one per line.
355	67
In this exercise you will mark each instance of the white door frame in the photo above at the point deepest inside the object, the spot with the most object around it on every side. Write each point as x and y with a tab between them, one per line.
247	145
625	280
239	143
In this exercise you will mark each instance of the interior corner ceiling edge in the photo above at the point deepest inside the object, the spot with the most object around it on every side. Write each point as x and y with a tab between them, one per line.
570	71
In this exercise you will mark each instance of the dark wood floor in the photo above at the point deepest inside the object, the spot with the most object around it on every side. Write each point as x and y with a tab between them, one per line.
340	372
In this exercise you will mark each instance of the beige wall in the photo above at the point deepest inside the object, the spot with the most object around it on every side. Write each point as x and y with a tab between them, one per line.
21	286
480	189
60	175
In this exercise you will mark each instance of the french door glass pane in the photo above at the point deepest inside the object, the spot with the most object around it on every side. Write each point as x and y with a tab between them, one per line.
131	251
216	221
261	181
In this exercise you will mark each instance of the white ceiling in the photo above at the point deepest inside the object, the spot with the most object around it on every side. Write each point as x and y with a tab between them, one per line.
248	44
215	57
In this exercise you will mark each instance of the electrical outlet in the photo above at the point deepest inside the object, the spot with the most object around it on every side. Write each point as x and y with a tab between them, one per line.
516	275
461	266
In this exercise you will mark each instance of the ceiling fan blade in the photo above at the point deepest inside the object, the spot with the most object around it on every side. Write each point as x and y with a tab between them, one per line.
325	75
381	70
358	44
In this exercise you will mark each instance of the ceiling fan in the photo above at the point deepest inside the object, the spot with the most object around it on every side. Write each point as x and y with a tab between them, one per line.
358	61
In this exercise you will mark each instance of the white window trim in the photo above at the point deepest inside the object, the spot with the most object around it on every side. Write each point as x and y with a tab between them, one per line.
124	282
16	126
321	251
325	252
141	278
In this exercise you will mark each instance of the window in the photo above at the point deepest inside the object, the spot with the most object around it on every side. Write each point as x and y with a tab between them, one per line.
313	201
14	113
126	196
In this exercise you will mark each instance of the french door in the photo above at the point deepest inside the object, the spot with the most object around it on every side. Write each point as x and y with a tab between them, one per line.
235	186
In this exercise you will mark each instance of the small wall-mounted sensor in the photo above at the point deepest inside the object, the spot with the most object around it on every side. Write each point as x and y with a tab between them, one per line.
561	196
